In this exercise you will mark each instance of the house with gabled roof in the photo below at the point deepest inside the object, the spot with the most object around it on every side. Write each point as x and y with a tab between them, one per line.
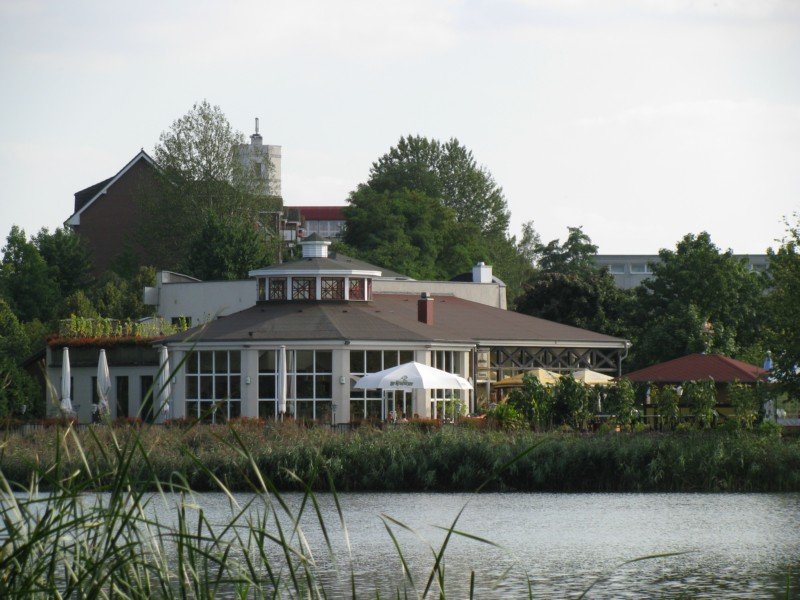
107	214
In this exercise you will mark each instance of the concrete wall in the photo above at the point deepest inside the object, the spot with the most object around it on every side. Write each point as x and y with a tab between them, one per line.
203	301
629	270
490	294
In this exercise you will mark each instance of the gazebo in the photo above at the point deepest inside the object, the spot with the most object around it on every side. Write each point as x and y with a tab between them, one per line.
723	370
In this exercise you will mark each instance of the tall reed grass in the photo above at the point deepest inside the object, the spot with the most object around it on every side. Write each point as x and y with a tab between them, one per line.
96	532
407	459
80	519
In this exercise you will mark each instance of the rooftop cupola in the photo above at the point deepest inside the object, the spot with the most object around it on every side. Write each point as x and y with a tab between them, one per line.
315	247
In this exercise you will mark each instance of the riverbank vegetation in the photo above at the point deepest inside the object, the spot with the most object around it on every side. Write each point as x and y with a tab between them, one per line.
412	458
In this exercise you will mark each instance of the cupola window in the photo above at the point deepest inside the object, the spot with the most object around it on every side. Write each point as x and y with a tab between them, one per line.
333	288
277	288
304	288
356	289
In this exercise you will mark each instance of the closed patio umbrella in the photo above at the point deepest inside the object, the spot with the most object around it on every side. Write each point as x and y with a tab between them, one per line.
66	383
103	383
281	383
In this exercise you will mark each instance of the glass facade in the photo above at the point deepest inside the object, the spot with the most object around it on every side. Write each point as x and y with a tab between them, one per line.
309	378
445	404
213	385
369	403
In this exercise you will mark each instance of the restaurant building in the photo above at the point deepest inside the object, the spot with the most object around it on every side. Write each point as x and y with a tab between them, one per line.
335	326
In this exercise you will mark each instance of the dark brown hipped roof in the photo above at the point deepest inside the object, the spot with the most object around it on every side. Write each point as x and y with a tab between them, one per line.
696	367
389	317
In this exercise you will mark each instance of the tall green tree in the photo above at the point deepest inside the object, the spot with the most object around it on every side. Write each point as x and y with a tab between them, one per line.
569	288
118	298
447	171
409	232
574	256
17	389
226	249
472	229
67	257
699	298
783	308
201	175
26	282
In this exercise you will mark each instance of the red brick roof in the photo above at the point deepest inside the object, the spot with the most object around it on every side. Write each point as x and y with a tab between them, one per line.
699	366
320	213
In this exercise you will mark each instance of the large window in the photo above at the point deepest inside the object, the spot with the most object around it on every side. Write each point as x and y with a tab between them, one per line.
446	403
214	385
309	382
641	268
122	396
369	403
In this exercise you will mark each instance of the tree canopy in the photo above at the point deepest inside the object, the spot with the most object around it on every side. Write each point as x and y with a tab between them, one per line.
429	210
700	299
783	308
409	232
25	279
568	287
201	175
446	171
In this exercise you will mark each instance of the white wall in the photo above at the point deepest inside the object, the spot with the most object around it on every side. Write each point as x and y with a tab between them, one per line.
206	300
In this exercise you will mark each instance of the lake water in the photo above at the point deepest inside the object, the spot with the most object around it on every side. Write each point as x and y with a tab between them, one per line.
734	546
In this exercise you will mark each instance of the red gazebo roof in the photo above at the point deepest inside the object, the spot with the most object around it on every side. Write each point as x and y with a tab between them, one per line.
696	367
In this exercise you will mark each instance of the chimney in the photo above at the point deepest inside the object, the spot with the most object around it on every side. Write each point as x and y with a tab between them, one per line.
482	273
425	308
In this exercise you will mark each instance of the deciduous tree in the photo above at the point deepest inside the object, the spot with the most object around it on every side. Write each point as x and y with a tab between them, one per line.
201	174
446	171
26	282
700	299
783	308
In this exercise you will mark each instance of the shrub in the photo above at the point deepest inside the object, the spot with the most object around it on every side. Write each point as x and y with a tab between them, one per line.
702	398
745	402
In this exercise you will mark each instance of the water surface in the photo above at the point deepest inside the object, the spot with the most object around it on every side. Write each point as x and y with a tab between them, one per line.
734	545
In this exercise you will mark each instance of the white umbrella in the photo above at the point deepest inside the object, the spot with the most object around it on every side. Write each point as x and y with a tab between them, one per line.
66	382
412	376
281	383
103	383
163	382
590	377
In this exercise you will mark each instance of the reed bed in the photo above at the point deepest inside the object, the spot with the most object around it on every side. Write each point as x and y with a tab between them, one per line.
110	512
408	459
96	532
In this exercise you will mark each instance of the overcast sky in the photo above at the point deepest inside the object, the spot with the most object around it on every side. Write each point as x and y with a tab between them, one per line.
639	120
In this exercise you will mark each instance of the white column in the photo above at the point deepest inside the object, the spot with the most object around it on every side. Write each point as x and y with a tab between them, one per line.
178	387
463	368
422	398
341	391
249	390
